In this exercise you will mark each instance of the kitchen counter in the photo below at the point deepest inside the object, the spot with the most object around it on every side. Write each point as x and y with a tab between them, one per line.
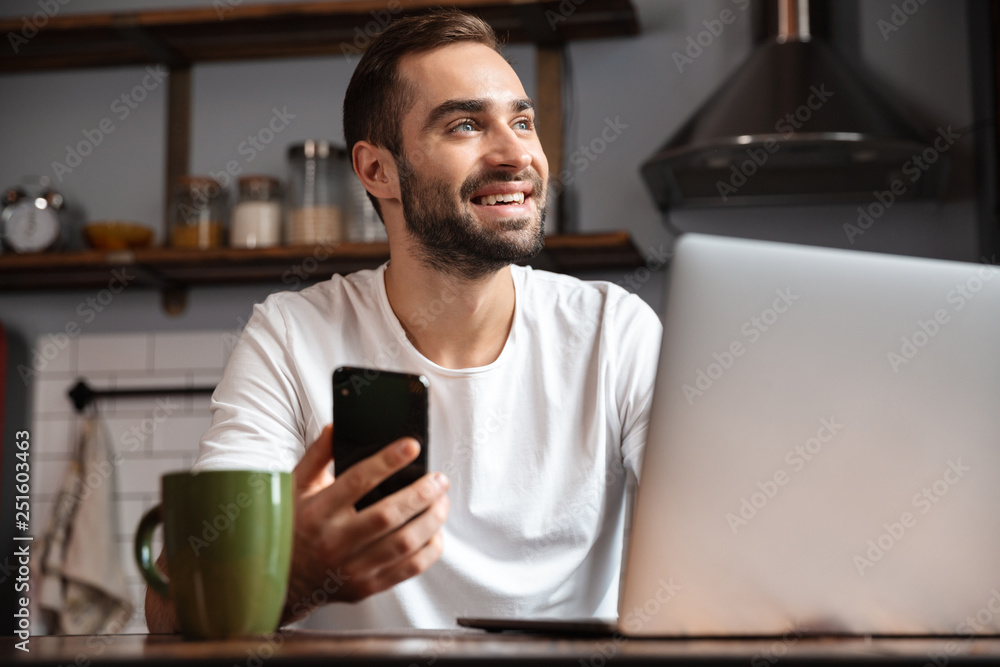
464	647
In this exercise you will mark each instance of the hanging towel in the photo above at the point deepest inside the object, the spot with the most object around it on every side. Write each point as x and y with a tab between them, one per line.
83	589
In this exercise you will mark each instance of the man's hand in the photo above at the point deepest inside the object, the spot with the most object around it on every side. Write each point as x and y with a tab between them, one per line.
340	554
161	617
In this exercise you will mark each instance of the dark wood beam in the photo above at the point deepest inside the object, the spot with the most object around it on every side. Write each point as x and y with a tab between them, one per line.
549	119
287	265
178	135
231	30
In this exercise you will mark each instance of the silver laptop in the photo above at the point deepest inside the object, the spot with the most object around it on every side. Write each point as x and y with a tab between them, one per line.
824	450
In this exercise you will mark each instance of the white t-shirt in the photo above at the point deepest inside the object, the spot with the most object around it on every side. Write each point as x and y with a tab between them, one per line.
536	444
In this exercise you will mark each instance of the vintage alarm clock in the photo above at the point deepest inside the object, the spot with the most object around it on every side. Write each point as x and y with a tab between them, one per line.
30	219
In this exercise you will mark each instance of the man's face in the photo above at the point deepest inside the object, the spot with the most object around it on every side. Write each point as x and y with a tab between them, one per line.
469	144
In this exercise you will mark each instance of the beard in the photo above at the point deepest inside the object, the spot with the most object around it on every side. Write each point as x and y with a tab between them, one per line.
449	238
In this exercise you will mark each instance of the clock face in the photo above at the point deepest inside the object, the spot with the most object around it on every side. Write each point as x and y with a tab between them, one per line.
28	228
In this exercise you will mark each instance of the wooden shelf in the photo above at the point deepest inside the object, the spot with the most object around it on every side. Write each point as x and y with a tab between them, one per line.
181	38
287	266
233	31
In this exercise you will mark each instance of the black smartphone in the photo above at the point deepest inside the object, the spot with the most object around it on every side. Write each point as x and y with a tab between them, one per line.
372	408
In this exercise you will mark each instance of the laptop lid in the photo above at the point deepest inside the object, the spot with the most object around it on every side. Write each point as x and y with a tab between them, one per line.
824	449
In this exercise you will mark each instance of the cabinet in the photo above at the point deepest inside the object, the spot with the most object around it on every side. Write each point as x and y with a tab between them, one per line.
238	30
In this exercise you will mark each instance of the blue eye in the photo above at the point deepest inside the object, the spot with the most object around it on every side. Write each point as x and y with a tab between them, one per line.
523	124
464	126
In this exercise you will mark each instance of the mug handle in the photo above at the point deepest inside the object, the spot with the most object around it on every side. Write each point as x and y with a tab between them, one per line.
144	551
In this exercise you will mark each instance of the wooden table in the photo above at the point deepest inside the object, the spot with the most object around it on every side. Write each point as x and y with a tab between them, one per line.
461	647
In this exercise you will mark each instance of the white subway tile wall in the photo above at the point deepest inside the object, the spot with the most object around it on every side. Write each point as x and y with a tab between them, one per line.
154	435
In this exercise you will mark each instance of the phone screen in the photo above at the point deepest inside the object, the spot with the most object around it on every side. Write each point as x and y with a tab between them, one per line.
372	408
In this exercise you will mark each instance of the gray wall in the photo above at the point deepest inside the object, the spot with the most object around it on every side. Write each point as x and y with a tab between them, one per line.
924	65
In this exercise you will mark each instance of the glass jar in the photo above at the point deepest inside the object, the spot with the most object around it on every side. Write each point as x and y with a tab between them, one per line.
315	193
198	213
364	224
256	219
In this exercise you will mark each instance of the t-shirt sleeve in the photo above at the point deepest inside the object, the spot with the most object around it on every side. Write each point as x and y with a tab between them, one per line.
256	417
637	332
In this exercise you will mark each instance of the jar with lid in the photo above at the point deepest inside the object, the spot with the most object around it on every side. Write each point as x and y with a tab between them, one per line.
198	213
315	193
256	221
364	225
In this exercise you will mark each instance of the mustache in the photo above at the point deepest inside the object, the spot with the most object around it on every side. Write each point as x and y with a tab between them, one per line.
479	181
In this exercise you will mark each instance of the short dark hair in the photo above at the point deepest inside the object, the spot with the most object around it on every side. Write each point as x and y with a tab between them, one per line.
377	97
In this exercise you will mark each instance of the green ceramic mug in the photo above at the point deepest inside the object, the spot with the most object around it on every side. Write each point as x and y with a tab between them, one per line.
228	538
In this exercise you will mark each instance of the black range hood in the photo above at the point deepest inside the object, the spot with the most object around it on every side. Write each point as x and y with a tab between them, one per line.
793	125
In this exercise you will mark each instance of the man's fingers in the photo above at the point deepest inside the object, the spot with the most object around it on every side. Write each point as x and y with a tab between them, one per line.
362	477
313	470
412	566
387	530
328	530
399	571
408	540
393	511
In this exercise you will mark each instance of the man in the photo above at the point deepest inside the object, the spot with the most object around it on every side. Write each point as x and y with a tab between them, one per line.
539	383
